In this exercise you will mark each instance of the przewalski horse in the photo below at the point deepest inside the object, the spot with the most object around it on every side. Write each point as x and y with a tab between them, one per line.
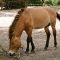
32	18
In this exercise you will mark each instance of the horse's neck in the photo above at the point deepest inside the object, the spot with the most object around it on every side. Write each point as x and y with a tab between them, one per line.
19	28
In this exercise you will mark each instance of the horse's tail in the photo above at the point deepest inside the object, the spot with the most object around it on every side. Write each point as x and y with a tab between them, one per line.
58	16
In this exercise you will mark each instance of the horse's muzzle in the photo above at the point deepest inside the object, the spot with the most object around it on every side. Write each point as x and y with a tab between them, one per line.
11	53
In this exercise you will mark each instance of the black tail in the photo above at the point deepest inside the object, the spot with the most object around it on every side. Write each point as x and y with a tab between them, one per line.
58	15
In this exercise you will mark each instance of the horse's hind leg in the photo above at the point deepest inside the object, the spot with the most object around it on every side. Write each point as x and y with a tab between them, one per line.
54	34
48	37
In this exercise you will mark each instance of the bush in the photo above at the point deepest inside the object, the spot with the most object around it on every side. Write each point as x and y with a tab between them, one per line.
58	3
35	2
12	4
48	2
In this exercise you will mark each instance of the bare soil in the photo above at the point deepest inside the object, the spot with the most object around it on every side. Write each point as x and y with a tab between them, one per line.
39	39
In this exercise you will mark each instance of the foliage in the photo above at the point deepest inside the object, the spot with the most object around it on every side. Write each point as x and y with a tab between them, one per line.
19	4
9	4
34	2
49	2
58	2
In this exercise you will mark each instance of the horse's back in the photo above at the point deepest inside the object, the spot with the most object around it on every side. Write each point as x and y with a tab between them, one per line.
39	17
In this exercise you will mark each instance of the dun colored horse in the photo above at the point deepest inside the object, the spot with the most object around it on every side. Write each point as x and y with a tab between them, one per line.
32	18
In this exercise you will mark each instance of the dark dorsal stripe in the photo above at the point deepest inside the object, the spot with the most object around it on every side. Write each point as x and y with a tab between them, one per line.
12	27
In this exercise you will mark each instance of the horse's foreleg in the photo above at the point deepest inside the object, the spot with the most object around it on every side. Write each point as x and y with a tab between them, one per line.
54	34
32	44
48	37
29	39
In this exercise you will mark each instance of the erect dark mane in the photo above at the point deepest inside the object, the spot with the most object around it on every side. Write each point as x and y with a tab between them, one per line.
12	27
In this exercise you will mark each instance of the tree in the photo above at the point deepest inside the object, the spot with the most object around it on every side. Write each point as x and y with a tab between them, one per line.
10	4
34	2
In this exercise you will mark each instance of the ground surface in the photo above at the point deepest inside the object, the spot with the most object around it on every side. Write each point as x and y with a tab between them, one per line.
39	39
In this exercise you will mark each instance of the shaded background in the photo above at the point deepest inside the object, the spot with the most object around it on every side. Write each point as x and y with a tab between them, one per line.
13	4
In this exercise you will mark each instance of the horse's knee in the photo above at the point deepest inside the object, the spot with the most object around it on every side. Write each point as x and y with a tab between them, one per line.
28	40
54	30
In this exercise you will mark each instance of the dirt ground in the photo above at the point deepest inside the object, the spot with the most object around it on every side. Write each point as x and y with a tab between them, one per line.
39	38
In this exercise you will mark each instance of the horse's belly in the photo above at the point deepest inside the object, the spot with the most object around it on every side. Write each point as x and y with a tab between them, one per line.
40	25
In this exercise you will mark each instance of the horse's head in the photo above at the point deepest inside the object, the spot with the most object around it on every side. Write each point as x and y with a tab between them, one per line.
14	46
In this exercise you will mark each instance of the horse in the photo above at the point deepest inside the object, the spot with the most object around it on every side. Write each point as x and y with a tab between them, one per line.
29	19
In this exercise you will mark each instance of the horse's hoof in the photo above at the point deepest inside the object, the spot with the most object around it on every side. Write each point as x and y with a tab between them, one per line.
26	52
32	51
55	46
45	48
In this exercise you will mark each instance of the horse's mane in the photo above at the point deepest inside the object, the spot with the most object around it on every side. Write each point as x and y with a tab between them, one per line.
12	27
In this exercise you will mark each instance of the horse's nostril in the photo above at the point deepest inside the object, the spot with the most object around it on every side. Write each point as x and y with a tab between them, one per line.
11	54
